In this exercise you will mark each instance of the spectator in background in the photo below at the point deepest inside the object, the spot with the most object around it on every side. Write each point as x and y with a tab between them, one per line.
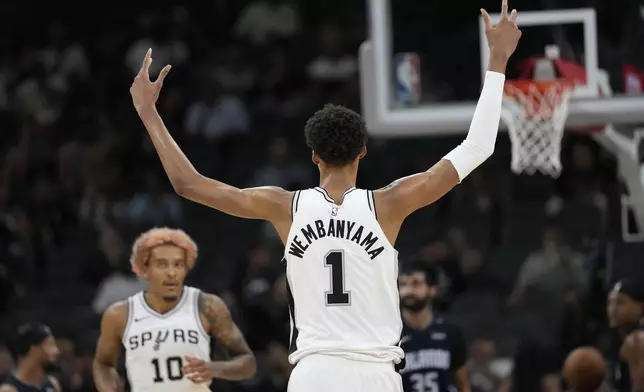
222	121
63	60
252	285
216	115
263	19
147	26
280	88
548	294
71	175
451	280
233	72
555	271
175	45
152	207
487	372
94	208
581	177
281	170
121	282
535	368
334	63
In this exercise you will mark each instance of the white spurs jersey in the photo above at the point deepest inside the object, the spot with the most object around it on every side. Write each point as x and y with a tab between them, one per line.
342	277
155	344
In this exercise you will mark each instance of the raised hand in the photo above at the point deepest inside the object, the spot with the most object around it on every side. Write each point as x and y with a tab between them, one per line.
503	38
145	93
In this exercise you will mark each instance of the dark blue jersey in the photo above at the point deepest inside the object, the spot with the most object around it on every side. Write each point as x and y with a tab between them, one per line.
46	386
432	356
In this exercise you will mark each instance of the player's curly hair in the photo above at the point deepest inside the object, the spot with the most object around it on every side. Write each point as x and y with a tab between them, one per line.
336	134
161	236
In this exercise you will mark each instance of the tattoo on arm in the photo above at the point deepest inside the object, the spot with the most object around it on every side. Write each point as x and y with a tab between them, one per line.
221	326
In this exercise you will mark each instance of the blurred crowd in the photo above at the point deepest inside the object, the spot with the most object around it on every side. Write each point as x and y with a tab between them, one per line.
524	261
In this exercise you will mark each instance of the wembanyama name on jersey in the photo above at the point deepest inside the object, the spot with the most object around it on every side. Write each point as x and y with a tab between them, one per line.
337	228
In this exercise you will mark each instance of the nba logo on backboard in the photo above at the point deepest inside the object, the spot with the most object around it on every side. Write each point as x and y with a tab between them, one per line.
334	211
408	78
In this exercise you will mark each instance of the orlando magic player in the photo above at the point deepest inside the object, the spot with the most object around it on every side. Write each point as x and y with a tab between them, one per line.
435	350
625	312
341	263
36	349
166	330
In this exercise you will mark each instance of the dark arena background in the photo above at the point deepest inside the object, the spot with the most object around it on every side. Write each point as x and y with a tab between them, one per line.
525	261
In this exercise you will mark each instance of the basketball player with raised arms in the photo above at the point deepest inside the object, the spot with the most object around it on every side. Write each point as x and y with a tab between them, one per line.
37	350
166	330
341	265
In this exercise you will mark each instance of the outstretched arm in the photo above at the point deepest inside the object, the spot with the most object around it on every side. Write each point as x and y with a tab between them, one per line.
268	203
406	195
113	326
218	322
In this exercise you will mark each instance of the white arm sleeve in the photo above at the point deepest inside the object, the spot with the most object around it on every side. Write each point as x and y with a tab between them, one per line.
480	140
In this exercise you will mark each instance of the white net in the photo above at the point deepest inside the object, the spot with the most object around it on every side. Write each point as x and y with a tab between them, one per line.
535	113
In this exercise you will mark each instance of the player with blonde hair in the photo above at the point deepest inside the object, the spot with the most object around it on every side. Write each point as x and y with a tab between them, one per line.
166	330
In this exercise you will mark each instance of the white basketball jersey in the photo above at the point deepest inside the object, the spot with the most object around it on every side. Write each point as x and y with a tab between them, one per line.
343	279
155	344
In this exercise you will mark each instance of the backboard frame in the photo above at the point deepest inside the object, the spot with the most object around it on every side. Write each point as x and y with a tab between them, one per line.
376	84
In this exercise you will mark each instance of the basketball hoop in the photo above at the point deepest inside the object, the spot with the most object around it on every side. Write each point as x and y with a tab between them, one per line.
535	112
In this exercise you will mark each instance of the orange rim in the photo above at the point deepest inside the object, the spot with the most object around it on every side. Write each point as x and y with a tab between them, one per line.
525	85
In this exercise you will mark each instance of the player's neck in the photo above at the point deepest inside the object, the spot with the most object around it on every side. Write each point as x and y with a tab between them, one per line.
419	320
336	180
30	372
160	304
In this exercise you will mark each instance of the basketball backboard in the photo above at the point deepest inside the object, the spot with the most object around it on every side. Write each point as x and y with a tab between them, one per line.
452	58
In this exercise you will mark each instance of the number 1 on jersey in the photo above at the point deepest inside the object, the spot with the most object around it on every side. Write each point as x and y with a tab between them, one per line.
337	296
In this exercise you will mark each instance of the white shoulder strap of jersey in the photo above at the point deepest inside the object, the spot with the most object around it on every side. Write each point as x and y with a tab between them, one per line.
295	203
371	203
194	301
130	314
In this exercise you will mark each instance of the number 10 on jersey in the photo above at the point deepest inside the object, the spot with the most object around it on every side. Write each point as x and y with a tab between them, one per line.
173	369
337	296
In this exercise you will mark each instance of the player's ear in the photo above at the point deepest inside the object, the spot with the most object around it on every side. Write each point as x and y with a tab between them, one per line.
142	271
315	158
363	152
